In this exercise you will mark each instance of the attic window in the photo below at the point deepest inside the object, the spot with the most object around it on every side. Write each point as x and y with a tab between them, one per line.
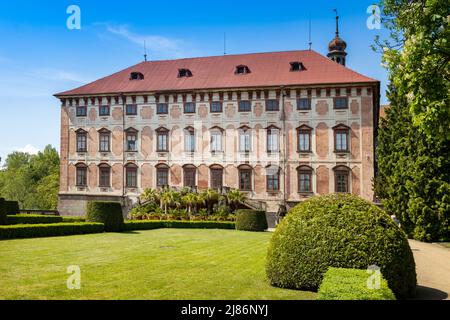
184	73
297	66
136	76
242	69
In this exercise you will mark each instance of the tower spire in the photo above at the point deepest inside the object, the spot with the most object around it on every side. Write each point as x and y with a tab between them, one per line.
337	46
337	22
145	51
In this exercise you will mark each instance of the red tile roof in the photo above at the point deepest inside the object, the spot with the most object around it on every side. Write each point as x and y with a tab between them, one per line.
218	72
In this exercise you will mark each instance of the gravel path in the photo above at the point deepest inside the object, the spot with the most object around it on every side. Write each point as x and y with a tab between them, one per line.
433	270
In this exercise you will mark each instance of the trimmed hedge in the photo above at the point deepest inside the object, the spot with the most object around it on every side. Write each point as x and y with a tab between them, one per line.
251	220
48	230
351	284
12	207
3	217
73	219
33	219
108	213
339	230
158	224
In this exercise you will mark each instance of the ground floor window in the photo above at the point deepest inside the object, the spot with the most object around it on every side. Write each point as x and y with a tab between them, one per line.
189	177
104	176
81	180
131	177
216	178
304	180
162	177
245	179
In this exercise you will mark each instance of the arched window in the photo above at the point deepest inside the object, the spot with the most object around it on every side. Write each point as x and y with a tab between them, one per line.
216	143
341	138
305	179
131	135
216	172
162	139
104	175
341	179
245	177
273	139
104	140
189	175
245	139
81	178
162	175
81	140
131	175
304	138
272	178
189	139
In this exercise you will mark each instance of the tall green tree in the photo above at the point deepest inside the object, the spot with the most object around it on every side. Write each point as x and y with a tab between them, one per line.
414	140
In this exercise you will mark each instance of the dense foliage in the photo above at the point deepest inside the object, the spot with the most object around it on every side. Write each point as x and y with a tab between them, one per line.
48	230
251	220
414	140
108	213
33	219
339	230
32	180
149	225
351	284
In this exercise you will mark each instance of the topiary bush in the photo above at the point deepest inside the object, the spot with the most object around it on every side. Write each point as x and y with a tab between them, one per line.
251	220
12	207
33	219
339	230
108	213
3	216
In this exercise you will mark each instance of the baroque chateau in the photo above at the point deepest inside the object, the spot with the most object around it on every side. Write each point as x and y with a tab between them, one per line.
280	126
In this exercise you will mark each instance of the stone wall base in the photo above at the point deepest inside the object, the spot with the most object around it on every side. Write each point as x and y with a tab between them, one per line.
75	205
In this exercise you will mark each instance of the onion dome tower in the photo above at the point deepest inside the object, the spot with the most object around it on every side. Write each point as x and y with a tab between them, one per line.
337	46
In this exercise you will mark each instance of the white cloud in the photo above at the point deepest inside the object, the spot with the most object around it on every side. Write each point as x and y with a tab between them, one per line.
29	149
156	44
59	75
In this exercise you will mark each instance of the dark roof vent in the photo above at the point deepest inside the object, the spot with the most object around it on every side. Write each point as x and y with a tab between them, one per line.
297	66
136	76
242	69
184	73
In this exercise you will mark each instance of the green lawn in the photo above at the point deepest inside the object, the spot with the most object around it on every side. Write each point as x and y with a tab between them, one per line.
154	264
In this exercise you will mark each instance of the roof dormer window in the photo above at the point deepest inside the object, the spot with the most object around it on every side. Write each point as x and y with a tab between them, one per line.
297	66
184	73
241	69
136	76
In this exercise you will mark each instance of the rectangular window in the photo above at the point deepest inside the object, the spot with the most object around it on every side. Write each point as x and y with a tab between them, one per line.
131	110
216	142
272	140
216	178
162	142
81	176
189	141
81	142
304	181
216	106
81	111
162	177
245	141
105	173
341	178
104	142
272	105
304	141
245	179
189	107
104	111
131	177
131	142
189	177
341	103
162	108
303	104
341	143
245	106
273	182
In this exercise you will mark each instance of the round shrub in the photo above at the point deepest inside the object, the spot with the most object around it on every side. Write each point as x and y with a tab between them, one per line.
251	220
342	231
3	216
108	213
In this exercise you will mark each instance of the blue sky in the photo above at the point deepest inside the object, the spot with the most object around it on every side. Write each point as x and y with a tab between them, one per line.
40	56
